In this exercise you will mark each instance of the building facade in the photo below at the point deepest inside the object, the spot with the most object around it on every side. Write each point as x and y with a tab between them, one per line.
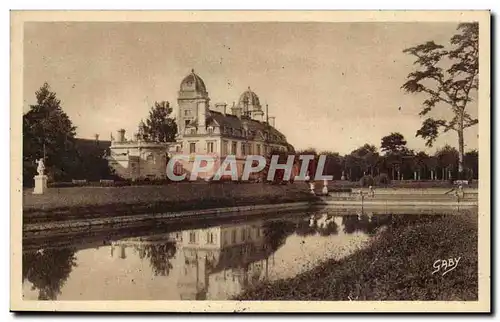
203	129
137	159
216	130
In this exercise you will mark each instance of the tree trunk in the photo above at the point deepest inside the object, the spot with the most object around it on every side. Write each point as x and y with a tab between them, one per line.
460	153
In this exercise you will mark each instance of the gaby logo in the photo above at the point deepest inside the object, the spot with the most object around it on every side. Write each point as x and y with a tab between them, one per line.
298	168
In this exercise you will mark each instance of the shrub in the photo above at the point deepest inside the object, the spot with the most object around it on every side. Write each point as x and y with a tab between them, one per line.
349	190
366	181
382	179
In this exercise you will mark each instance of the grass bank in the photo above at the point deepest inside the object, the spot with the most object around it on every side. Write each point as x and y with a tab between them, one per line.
397	266
88	202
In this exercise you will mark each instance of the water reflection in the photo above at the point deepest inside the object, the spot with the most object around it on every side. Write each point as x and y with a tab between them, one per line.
48	270
216	262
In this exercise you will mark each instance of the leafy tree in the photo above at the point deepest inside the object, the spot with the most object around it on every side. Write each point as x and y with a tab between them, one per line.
431	165
394	148
361	160
448	78
333	164
471	162
160	127
447	158
394	143
420	162
46	128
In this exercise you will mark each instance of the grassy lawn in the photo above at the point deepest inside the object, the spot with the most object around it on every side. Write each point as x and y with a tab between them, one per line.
63	203
397	266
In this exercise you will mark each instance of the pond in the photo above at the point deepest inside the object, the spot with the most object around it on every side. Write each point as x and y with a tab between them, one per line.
209	262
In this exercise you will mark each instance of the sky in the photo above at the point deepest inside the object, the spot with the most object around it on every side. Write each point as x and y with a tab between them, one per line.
331	86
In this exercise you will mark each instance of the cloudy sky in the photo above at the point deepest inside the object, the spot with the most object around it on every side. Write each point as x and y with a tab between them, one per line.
331	86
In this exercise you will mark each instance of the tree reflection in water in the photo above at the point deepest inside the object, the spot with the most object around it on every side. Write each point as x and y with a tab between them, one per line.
307	227
350	223
364	223
48	270
328	228
160	256
276	233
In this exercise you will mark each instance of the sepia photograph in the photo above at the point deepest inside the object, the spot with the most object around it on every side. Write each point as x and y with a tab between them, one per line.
252	161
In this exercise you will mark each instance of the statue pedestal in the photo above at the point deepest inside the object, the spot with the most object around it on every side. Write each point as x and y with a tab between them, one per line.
311	188
40	184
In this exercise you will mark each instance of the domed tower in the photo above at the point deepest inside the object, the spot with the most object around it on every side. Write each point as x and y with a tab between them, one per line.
193	102
249	104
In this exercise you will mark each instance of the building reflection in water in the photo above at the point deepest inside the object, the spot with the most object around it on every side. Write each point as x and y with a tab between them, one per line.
213	263
221	261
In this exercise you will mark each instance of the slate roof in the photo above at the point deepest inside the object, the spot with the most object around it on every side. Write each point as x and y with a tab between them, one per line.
253	127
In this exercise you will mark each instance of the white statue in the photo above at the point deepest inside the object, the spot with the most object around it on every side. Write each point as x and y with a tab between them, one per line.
325	187
41	166
371	191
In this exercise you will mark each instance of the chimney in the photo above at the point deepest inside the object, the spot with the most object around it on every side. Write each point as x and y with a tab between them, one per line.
236	110
271	120
221	107
121	136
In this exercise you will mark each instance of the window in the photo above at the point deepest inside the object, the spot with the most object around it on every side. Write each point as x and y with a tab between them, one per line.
233	237
234	148
249	234
210	147
192	147
258	149
187	112
210	130
225	237
192	237
210	238
243	234
193	131
150	157
186	122
243	149
225	147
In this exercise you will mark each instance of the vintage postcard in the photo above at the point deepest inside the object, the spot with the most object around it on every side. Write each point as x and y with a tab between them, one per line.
250	161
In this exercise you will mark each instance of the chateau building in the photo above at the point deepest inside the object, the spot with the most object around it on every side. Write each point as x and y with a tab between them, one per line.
243	129
203	129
